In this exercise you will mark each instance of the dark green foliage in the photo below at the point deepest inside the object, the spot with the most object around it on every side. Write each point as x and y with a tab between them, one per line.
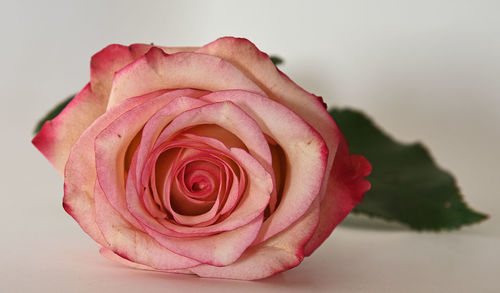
407	186
276	60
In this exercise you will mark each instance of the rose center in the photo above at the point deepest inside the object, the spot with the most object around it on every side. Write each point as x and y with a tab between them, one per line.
199	186
199	179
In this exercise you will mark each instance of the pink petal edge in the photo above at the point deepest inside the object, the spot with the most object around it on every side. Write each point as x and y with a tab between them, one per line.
80	172
157	70
346	187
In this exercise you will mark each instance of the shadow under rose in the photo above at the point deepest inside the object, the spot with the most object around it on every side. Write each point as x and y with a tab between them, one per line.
313	275
363	222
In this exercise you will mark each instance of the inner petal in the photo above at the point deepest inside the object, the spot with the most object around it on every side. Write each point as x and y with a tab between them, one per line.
187	210
161	171
220	134
183	205
279	168
197	171
198	183
167	184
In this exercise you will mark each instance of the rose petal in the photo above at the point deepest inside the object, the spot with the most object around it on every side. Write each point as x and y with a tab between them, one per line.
218	145
224	248
215	133
158	70
58	135
304	148
253	204
229	190
346	187
172	198
218	249
279	253
132	244
111	255
111	145
155	125
80	172
111	59
156	177
230	117
106	62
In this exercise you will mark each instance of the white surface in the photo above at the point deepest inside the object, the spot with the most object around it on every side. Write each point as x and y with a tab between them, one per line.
425	70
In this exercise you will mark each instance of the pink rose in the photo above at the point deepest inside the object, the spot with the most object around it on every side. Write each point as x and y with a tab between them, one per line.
208	161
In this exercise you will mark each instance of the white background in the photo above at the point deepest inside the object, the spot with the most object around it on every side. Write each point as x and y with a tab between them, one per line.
424	70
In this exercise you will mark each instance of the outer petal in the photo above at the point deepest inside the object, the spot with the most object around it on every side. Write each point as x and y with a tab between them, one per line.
259	68
279	253
132	244
346	187
157	70
111	59
58	135
106	62
80	172
219	249
111	255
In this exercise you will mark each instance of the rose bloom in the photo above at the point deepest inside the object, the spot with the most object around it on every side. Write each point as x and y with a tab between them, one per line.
206	161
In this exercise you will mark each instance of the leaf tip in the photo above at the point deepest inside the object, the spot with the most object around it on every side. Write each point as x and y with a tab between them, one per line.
276	60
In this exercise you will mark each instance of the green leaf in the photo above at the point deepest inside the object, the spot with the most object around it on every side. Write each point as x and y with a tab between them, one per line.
407	185
53	113
276	60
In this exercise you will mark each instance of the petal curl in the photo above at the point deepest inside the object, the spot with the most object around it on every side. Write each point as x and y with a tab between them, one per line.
158	70
109	60
346	187
219	250
114	57
111	255
279	253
